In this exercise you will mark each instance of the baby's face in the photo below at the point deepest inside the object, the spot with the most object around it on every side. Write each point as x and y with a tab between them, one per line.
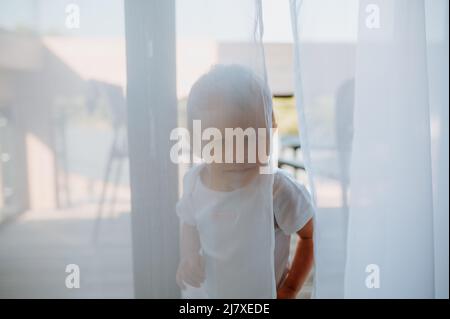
239	140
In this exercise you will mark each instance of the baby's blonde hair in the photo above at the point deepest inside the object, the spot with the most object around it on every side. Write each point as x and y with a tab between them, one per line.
235	84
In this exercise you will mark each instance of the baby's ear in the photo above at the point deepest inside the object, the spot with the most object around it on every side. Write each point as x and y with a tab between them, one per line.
274	121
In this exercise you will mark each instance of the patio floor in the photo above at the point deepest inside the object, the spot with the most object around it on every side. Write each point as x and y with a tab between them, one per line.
36	247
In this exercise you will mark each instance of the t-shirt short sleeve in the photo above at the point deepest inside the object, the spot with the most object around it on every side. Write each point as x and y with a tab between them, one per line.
291	203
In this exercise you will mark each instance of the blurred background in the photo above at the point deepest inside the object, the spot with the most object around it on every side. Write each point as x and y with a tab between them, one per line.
64	181
64	175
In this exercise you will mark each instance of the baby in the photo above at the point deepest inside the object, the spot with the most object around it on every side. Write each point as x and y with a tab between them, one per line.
236	223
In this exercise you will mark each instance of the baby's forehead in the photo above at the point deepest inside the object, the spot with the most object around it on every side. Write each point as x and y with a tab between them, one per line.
223	112
228	95
232	104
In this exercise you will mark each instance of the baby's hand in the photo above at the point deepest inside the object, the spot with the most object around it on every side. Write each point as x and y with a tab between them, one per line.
191	271
285	292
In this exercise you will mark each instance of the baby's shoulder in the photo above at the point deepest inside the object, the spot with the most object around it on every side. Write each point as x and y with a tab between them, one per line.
283	179
191	177
284	185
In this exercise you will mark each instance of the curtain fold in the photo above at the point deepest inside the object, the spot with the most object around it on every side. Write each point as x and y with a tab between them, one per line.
226	204
436	13
391	219
324	35
368	76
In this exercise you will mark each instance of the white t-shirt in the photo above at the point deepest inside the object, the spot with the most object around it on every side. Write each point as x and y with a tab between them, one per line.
235	230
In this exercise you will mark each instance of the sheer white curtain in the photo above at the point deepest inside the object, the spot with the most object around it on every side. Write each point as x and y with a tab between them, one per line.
368	74
436	13
227	224
325	43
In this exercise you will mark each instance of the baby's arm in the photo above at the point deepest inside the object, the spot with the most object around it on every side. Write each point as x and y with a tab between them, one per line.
301	264
191	267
